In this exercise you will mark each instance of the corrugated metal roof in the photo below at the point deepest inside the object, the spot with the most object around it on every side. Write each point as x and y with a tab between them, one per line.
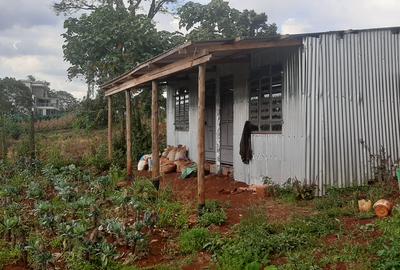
189	48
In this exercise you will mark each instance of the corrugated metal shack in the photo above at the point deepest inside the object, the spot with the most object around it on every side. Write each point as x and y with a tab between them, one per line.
322	102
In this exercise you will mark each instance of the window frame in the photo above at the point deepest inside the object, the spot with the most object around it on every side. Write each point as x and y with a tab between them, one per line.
258	75
182	103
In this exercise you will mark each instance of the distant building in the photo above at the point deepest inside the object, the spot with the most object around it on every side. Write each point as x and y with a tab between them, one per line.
45	103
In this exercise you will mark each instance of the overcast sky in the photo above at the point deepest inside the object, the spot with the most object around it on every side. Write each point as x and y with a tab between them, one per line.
30	41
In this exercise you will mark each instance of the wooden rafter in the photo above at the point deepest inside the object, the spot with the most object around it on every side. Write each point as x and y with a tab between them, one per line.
178	66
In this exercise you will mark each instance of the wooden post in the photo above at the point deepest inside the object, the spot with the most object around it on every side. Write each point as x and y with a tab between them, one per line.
128	134
154	128
109	137
218	126
201	135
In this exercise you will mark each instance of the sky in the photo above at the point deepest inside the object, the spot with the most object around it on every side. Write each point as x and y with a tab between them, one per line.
31	42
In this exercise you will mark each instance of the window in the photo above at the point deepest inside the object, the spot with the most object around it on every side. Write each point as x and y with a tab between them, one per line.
265	102
182	109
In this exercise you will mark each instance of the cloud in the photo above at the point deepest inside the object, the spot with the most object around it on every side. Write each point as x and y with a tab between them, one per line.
293	26
31	44
326	15
26	13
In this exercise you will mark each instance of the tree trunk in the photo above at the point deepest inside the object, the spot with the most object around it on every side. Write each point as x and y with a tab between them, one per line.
32	135
3	138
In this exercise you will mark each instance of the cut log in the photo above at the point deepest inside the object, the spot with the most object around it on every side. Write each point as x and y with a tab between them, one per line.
383	208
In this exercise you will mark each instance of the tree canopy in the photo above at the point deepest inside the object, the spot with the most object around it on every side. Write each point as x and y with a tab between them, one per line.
217	20
15	97
131	6
107	42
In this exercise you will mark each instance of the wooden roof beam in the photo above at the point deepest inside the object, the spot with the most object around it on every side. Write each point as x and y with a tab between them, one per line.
164	71
254	45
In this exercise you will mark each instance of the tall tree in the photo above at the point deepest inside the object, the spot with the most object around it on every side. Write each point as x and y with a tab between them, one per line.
217	20
109	41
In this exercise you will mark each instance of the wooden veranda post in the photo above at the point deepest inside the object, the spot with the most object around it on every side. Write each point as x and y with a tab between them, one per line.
201	135
128	134
154	128
109	135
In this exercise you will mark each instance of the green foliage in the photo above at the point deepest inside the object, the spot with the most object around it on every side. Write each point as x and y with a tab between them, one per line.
38	255
172	214
212	213
108	41
9	255
217	20
292	189
35	190
255	240
99	160
387	247
194	240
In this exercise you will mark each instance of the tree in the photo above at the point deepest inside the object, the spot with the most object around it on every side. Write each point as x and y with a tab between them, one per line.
15	99
130	6
108	42
66	101
217	20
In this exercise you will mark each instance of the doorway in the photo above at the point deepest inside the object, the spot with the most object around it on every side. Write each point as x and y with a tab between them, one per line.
226	92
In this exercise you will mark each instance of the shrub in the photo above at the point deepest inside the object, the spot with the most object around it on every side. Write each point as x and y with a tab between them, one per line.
99	159
212	214
194	240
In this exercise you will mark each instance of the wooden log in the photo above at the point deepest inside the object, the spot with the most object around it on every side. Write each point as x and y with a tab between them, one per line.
154	128
201	135
382	208
109	135
128	134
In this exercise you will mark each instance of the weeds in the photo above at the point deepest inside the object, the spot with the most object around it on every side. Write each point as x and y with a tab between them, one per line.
194	240
212	213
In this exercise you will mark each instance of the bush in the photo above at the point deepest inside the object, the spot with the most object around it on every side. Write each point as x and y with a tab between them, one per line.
212	214
194	240
99	159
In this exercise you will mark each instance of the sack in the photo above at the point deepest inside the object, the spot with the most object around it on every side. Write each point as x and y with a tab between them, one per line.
181	153
168	168
166	151
171	154
143	162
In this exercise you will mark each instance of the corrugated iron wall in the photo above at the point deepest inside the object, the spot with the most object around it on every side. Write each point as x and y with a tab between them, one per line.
351	83
341	98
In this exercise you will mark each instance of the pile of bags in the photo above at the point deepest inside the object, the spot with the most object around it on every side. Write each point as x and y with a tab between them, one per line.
174	159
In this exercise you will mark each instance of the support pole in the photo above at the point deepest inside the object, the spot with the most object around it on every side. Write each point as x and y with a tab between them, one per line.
155	147
109	135
218	126
128	134
201	135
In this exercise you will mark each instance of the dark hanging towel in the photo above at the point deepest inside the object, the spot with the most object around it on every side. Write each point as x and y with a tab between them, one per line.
245	143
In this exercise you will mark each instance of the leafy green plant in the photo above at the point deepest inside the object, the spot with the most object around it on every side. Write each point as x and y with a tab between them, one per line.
194	240
212	213
35	191
38	255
